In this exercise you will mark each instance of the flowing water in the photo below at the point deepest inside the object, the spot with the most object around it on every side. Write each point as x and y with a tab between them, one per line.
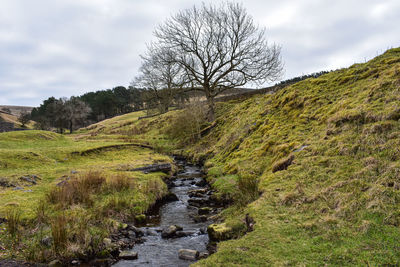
157	251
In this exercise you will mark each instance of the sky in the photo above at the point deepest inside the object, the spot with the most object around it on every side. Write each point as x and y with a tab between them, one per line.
70	47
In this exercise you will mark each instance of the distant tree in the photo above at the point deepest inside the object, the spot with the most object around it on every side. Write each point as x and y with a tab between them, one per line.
123	99
44	114
136	97
24	118
219	48
103	104
61	114
76	113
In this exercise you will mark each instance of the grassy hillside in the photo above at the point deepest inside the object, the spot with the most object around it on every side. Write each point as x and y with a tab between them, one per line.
325	154
316	165
14	119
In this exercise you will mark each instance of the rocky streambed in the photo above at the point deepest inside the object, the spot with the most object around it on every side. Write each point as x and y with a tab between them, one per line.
175	232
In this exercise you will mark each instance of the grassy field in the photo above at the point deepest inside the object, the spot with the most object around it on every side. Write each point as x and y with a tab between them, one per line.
53	158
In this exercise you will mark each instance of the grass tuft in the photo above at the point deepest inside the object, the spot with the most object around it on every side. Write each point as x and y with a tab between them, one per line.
59	233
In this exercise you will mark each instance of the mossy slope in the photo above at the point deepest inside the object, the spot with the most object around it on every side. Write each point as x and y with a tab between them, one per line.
336	201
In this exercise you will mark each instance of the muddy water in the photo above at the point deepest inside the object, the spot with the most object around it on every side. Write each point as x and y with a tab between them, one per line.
158	251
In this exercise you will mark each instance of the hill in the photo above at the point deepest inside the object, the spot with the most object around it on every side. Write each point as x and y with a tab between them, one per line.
13	119
16	110
311	171
324	156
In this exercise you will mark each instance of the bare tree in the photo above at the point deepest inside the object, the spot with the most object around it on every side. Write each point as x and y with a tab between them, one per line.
161	76
220	48
76	113
24	118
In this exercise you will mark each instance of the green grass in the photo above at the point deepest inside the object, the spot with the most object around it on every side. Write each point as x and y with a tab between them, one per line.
54	158
336	203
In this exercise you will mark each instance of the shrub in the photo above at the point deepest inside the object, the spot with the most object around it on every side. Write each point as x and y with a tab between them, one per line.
247	190
187	125
77	190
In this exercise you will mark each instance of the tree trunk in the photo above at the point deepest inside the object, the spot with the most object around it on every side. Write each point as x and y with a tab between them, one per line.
211	110
70	127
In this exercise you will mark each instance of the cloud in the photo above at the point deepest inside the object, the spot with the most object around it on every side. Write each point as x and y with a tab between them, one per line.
69	47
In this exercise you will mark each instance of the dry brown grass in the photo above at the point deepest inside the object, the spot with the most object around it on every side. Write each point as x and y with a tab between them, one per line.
120	182
59	233
77	190
154	186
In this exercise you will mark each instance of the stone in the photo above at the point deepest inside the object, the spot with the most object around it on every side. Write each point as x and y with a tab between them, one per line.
201	183
163	167
107	242
28	179
139	232
200	218
131	234
184	233
139	219
201	191
170	197
128	255
196	194
75	262
203	230
204	210
197	202
5	183
219	232
46	241
203	255
74	172
55	263
188	254
18	188
151	232
170	231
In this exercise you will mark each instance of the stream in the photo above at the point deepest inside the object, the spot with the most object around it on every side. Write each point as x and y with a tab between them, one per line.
190	188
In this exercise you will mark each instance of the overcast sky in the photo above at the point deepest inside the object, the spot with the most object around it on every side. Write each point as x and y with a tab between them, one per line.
69	47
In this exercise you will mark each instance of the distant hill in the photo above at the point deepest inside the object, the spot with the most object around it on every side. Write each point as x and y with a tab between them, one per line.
13	116
15	110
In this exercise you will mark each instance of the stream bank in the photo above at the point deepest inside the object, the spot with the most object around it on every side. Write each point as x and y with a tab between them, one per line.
174	232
